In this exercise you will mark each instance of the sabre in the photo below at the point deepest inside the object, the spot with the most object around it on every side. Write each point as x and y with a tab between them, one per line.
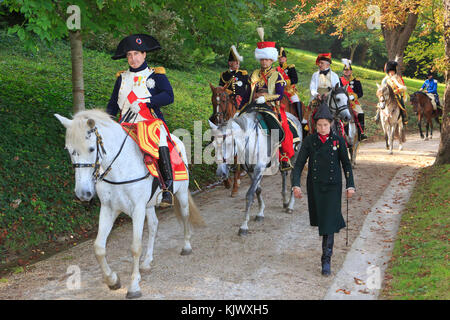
346	240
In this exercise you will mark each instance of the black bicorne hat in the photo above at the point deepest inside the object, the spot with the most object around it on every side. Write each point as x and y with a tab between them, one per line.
282	53
323	112
391	65
429	73
136	42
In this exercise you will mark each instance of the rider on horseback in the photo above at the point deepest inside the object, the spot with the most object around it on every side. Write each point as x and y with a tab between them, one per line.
139	92
267	88
355	92
234	78
430	86
290	76
398	86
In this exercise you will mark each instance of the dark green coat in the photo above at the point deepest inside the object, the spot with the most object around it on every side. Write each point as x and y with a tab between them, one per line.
324	180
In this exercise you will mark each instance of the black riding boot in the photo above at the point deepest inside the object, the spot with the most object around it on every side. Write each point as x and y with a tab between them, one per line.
298	107
362	136
404	119
327	251
165	168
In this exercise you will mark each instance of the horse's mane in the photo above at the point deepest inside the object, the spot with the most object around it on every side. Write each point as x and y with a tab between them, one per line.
76	133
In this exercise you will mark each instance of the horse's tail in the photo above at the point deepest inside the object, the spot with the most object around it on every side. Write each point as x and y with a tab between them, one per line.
194	213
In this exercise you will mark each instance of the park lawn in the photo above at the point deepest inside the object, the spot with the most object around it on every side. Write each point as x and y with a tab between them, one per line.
419	267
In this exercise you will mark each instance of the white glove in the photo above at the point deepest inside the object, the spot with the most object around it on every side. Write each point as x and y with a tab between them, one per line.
352	97
135	107
260	100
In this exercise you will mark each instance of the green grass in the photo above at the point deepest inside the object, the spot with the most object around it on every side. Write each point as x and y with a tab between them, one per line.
419	268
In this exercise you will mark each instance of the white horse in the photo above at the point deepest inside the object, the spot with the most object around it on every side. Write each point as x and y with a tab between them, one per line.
243	137
110	164
390	117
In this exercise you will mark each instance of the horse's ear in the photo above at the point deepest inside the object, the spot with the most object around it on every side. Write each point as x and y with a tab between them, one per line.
212	87
212	125
64	121
91	123
336	86
378	86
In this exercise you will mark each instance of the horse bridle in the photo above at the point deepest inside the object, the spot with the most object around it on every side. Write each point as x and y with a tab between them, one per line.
96	165
338	109
219	113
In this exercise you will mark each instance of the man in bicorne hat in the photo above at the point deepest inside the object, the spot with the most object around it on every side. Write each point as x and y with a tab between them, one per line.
355	91
267	87
398	86
234	78
290	76
138	93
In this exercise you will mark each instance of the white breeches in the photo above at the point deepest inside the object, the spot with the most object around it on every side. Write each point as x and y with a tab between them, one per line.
162	136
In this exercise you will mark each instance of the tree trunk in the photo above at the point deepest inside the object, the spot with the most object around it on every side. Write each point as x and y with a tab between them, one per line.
363	54
352	51
443	156
76	49
396	39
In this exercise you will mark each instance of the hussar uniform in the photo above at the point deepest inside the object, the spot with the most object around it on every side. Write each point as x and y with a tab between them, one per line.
398	86
236	81
289	75
355	92
430	86
150	89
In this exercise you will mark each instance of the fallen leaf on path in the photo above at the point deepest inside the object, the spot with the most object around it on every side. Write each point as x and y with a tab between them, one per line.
343	290
358	281
365	291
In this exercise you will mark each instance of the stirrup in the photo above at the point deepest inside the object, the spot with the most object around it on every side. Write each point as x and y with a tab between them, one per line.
288	162
163	204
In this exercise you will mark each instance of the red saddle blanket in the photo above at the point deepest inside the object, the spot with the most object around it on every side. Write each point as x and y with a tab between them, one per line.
146	135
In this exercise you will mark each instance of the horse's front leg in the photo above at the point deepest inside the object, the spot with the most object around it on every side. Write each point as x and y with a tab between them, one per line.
427	128
257	176
284	189
391	139
134	290
106	222
419	123
183	199
260	215
237	178
152	224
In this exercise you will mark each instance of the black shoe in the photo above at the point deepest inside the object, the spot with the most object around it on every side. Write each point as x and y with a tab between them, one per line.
361	121
327	252
362	137
165	168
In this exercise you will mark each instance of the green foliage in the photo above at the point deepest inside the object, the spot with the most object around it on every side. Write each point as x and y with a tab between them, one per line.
419	265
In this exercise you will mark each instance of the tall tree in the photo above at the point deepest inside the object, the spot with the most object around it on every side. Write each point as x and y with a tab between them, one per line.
396	18
443	156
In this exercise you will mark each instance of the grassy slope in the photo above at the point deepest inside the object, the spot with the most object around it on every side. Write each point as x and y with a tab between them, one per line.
419	268
35	169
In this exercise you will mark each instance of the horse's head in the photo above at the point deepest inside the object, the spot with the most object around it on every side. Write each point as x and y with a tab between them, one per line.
384	94
338	103
83	143
224	146
221	102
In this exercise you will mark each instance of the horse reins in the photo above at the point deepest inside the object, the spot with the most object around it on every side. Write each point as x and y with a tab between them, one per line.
96	174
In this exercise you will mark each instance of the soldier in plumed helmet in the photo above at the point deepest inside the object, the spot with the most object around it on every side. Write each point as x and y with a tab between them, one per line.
234	78
139	93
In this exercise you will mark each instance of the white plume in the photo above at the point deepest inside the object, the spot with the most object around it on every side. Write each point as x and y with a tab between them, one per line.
346	62
239	57
260	31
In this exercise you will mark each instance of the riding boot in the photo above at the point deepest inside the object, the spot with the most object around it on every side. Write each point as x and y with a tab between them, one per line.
165	168
298	107
327	252
404	119
361	127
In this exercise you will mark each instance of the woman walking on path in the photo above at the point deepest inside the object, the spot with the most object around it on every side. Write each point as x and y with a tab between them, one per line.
325	152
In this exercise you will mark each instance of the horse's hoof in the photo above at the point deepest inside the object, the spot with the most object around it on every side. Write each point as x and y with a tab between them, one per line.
259	218
227	183
115	286
243	232
426	139
285	205
186	252
290	211
234	194
134	295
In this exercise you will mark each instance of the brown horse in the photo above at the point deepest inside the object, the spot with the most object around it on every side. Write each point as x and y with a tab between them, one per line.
423	108
224	108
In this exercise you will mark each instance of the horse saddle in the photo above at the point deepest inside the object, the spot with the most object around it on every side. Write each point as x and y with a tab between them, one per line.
268	120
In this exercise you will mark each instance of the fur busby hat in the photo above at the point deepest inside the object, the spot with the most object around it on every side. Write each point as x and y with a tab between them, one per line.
136	42
265	49
282	53
323	56
234	55
391	66
347	64
323	112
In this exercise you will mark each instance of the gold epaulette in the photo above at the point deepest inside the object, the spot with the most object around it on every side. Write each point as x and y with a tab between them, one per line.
244	72
160	70
119	73
291	66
